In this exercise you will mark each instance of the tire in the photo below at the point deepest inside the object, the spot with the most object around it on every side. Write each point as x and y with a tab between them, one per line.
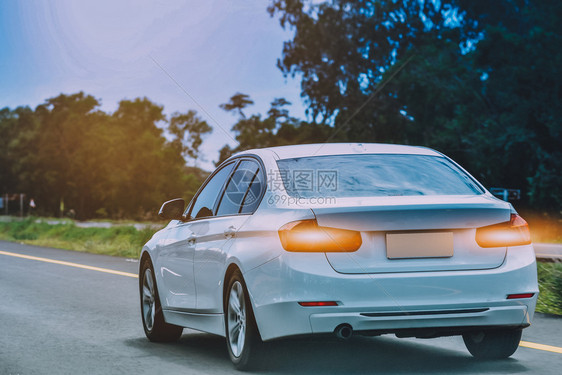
492	344
155	328
244	343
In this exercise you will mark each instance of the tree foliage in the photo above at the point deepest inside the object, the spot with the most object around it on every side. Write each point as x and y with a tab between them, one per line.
278	128
99	164
237	103
188	130
478	82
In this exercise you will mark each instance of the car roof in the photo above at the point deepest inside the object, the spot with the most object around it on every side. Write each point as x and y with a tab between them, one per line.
323	149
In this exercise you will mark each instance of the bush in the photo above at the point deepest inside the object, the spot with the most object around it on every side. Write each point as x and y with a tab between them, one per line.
550	286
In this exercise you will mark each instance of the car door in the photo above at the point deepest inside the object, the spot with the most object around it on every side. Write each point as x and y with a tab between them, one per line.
176	256
214	236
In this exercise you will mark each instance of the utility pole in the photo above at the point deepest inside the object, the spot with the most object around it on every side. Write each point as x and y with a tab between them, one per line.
6	204
21	205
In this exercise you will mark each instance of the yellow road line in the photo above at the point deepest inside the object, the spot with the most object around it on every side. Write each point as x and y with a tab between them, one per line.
70	264
548	348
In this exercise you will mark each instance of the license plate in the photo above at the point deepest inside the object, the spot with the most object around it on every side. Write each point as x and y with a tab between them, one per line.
419	245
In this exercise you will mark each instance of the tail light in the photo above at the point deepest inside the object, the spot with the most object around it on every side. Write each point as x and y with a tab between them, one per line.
511	233
520	295
318	303
308	236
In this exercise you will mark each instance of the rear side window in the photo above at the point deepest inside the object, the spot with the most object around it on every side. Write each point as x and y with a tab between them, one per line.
252	198
374	175
205	201
242	191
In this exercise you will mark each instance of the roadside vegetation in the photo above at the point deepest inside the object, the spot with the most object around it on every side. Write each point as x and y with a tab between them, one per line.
122	240
550	285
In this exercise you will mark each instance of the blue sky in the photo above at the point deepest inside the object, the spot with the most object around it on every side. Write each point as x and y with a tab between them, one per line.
213	48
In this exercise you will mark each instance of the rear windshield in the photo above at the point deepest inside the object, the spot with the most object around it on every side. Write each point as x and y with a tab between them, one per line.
374	175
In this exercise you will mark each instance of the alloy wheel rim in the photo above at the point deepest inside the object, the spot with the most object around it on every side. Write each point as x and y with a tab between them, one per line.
148	299
236	319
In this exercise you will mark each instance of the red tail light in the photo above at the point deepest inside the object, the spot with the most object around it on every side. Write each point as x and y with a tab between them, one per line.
520	295
307	236
511	233
319	303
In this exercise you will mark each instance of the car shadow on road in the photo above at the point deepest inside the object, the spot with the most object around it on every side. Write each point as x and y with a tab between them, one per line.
329	356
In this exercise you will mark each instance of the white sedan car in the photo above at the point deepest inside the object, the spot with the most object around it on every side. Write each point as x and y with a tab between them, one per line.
347	239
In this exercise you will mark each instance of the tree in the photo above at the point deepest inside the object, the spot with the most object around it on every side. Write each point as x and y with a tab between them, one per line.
61	172
188	130
237	103
342	48
118	165
277	129
18	130
146	168
520	54
477	82
224	153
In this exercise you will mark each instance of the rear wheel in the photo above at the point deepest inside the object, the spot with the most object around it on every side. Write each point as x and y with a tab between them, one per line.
242	337
492	344
155	328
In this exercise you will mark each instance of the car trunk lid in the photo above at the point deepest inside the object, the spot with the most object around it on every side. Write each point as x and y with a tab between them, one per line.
415	233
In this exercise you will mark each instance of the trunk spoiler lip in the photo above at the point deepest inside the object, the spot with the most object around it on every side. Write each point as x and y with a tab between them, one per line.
404	203
433	215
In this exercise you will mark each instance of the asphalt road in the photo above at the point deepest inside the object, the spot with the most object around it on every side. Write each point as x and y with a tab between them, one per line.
59	319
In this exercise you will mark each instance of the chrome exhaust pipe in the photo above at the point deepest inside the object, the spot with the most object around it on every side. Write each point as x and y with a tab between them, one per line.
343	331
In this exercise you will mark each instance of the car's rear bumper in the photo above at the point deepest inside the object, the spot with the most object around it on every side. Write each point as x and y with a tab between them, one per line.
449	300
445	319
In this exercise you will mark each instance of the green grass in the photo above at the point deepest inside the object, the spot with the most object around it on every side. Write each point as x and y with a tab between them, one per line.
550	286
123	241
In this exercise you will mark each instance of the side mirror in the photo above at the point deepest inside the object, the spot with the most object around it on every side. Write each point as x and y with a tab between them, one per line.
172	210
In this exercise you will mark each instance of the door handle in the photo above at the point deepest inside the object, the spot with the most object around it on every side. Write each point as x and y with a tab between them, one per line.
191	239
230	232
